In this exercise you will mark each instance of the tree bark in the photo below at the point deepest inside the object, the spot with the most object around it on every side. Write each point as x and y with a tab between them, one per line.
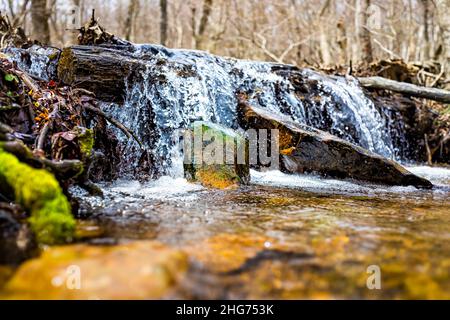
406	88
129	22
102	70
364	33
200	33
164	22
39	19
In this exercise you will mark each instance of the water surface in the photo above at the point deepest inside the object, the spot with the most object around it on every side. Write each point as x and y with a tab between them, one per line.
291	236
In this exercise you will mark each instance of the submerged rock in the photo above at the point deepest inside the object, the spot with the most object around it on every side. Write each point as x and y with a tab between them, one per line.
305	149
216	156
138	270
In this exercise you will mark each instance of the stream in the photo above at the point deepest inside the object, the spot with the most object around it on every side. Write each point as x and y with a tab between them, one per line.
322	234
282	236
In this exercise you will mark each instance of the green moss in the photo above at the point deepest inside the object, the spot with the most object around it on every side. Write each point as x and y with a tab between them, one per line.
86	141
38	192
218	132
53	56
223	173
66	66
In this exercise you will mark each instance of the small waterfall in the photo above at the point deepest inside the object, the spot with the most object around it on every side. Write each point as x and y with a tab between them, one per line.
178	87
39	62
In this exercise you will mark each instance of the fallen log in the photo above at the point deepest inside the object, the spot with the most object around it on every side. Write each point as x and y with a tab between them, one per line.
99	69
405	88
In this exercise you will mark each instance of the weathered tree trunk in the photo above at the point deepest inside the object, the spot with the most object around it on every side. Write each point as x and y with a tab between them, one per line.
426	36
406	88
39	18
324	44
75	20
102	70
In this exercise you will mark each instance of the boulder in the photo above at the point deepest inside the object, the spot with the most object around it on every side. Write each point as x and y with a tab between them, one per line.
216	156
305	149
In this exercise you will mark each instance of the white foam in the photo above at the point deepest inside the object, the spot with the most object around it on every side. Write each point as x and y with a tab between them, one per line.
437	175
315	183
164	188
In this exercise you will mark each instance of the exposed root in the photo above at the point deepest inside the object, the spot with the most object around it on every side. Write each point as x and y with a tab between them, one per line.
116	123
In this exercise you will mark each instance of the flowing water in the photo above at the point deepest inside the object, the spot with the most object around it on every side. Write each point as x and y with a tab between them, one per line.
290	236
283	236
178	87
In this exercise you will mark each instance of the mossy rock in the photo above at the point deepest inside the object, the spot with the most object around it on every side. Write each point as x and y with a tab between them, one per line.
38	192
216	156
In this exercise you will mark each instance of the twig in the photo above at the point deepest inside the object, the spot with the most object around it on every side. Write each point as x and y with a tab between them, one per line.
427	147
438	77
114	122
27	80
386	49
43	134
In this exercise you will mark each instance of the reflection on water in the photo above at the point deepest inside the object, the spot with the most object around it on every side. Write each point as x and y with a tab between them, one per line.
289	236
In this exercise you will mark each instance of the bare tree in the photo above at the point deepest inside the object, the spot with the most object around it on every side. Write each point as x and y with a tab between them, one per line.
364	32
324	45
129	22
303	32
199	34
426	34
39	19
163	23
17	17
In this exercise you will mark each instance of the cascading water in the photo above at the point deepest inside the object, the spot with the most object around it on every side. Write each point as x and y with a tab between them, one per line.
178	87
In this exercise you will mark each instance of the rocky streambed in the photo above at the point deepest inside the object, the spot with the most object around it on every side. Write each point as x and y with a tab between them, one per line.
280	237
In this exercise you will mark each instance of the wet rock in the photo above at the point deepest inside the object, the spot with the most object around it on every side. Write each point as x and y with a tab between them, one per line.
216	156
16	240
137	270
305	149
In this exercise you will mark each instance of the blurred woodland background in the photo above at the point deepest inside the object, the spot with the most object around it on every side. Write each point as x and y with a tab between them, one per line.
320	33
